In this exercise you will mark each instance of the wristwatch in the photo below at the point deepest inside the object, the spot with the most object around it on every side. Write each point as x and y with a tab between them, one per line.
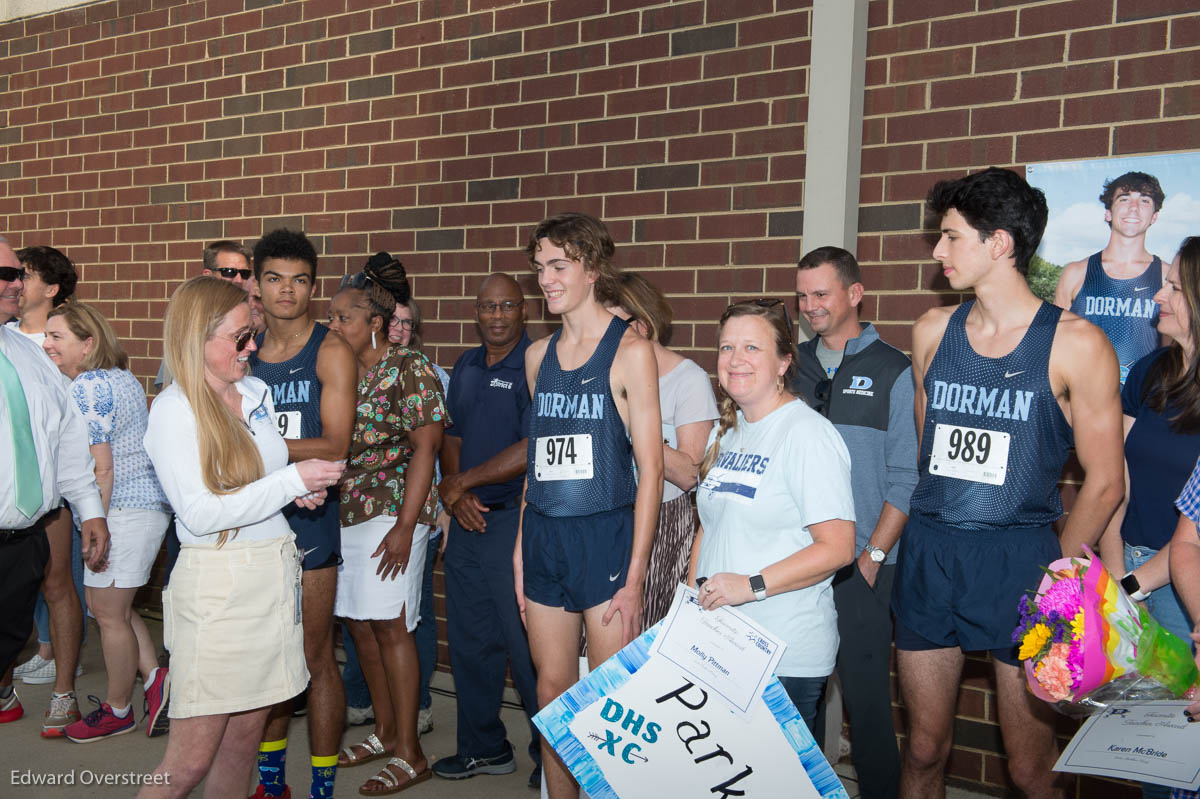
759	586
1133	587
877	555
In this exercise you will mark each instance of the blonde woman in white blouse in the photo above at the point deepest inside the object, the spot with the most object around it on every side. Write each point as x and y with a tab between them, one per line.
231	615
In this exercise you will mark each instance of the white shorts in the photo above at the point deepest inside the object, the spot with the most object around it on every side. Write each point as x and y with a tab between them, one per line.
136	535
361	595
231	620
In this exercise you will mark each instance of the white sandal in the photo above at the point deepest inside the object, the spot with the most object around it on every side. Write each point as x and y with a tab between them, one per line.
391	783
371	743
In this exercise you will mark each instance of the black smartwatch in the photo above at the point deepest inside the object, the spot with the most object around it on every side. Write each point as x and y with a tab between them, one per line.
759	586
1133	587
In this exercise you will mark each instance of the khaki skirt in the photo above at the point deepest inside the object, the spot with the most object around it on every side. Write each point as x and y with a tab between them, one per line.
231	620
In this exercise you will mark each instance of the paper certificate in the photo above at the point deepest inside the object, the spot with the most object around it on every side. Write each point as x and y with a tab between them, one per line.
721	649
1149	742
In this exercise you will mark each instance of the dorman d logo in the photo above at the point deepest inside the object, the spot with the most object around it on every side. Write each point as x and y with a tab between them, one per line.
859	383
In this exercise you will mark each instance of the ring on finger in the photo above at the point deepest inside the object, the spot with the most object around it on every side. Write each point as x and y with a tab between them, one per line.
708	589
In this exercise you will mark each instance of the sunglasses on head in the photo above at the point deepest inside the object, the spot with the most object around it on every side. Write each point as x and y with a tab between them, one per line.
770	304
229	273
10	273
821	392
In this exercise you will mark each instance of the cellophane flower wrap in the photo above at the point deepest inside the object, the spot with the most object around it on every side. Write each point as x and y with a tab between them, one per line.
1086	644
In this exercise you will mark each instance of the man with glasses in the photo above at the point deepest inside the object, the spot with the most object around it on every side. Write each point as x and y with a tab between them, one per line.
36	425
483	467
864	386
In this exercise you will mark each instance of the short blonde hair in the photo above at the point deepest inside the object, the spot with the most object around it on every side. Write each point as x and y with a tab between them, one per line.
85	322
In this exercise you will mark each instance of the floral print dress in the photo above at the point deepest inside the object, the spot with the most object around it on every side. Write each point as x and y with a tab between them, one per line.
395	396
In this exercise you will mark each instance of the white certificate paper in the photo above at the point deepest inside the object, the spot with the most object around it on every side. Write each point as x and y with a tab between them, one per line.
1148	742
720	649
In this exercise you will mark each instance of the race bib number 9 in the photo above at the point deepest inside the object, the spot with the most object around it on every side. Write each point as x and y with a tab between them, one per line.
288	423
563	457
969	453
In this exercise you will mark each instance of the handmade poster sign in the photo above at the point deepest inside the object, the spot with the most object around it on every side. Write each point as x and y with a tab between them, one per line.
641	725
1148	742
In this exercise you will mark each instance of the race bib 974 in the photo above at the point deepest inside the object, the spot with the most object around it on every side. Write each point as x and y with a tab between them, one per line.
563	457
969	453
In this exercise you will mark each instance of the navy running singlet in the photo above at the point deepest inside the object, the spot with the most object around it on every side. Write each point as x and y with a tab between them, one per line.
296	392
580	456
1124	309
995	438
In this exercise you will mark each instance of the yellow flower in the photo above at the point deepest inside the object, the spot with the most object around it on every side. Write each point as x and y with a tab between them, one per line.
1077	626
1033	641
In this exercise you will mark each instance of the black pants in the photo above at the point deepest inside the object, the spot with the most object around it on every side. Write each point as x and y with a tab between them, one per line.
863	665
22	566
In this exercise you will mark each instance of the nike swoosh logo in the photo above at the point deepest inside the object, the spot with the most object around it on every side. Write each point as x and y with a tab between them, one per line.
585	382
293	371
304	553
613	578
1142	288
1013	374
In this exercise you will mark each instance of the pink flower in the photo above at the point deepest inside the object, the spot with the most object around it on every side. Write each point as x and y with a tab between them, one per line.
1063	597
1054	673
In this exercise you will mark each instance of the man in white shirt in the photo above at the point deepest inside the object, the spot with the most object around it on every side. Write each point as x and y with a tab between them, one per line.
36	424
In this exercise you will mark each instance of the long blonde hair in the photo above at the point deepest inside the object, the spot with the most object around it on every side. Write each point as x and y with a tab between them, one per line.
775	314
229	459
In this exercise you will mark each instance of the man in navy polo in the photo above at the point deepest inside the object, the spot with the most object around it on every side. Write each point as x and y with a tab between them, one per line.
483	469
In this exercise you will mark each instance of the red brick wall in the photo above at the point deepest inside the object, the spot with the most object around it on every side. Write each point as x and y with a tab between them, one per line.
441	130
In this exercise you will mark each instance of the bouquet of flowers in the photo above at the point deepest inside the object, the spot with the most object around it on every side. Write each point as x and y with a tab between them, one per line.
1085	644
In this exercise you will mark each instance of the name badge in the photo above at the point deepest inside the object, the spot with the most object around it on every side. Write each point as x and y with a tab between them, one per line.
563	457
288	423
969	453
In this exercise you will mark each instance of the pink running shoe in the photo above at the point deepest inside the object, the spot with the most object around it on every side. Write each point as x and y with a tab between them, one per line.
99	724
158	697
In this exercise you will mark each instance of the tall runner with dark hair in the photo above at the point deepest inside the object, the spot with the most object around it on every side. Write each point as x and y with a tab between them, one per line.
312	379
587	525
1114	288
1003	383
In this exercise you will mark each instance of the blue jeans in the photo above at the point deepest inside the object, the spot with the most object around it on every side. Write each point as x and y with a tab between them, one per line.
806	694
426	634
41	613
1163	603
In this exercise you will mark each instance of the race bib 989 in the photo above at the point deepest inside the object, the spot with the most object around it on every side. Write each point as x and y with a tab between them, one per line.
970	453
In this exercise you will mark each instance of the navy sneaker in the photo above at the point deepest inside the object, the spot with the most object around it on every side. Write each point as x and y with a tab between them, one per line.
457	767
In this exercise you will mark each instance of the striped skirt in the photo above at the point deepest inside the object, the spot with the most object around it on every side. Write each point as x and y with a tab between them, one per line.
668	557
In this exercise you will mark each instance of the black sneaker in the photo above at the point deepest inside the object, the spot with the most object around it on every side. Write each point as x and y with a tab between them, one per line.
457	767
535	777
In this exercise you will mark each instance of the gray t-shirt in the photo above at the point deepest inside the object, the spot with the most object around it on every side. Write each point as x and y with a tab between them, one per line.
830	359
685	396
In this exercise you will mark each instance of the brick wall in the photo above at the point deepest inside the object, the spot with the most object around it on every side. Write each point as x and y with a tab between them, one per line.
441	130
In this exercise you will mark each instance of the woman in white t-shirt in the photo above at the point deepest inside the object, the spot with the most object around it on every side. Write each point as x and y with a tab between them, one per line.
776	511
688	408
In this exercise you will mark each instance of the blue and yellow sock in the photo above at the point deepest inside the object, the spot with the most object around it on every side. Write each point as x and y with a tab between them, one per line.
324	770
272	758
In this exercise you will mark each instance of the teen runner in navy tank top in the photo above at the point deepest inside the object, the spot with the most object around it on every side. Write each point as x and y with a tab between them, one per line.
580	456
1124	309
296	391
977	411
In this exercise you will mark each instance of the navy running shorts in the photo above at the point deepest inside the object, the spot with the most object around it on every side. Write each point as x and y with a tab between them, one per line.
575	562
960	588
318	534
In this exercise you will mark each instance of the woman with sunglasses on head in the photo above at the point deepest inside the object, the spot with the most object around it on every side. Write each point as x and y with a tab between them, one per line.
776	510
112	403
388	502
231	613
688	409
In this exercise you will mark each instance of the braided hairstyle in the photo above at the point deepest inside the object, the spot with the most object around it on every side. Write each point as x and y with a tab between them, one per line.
775	314
383	283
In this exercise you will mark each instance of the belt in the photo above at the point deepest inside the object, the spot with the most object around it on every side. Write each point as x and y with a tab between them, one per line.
509	504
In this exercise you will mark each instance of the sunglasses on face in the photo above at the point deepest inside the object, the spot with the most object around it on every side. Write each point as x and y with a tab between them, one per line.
10	273
242	341
821	393
506	307
229	273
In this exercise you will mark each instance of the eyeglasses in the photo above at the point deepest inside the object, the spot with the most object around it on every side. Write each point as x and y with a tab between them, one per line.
404	324
242	341
506	307
821	393
229	273
10	273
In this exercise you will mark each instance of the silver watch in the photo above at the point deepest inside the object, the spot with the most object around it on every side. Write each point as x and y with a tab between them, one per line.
877	555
